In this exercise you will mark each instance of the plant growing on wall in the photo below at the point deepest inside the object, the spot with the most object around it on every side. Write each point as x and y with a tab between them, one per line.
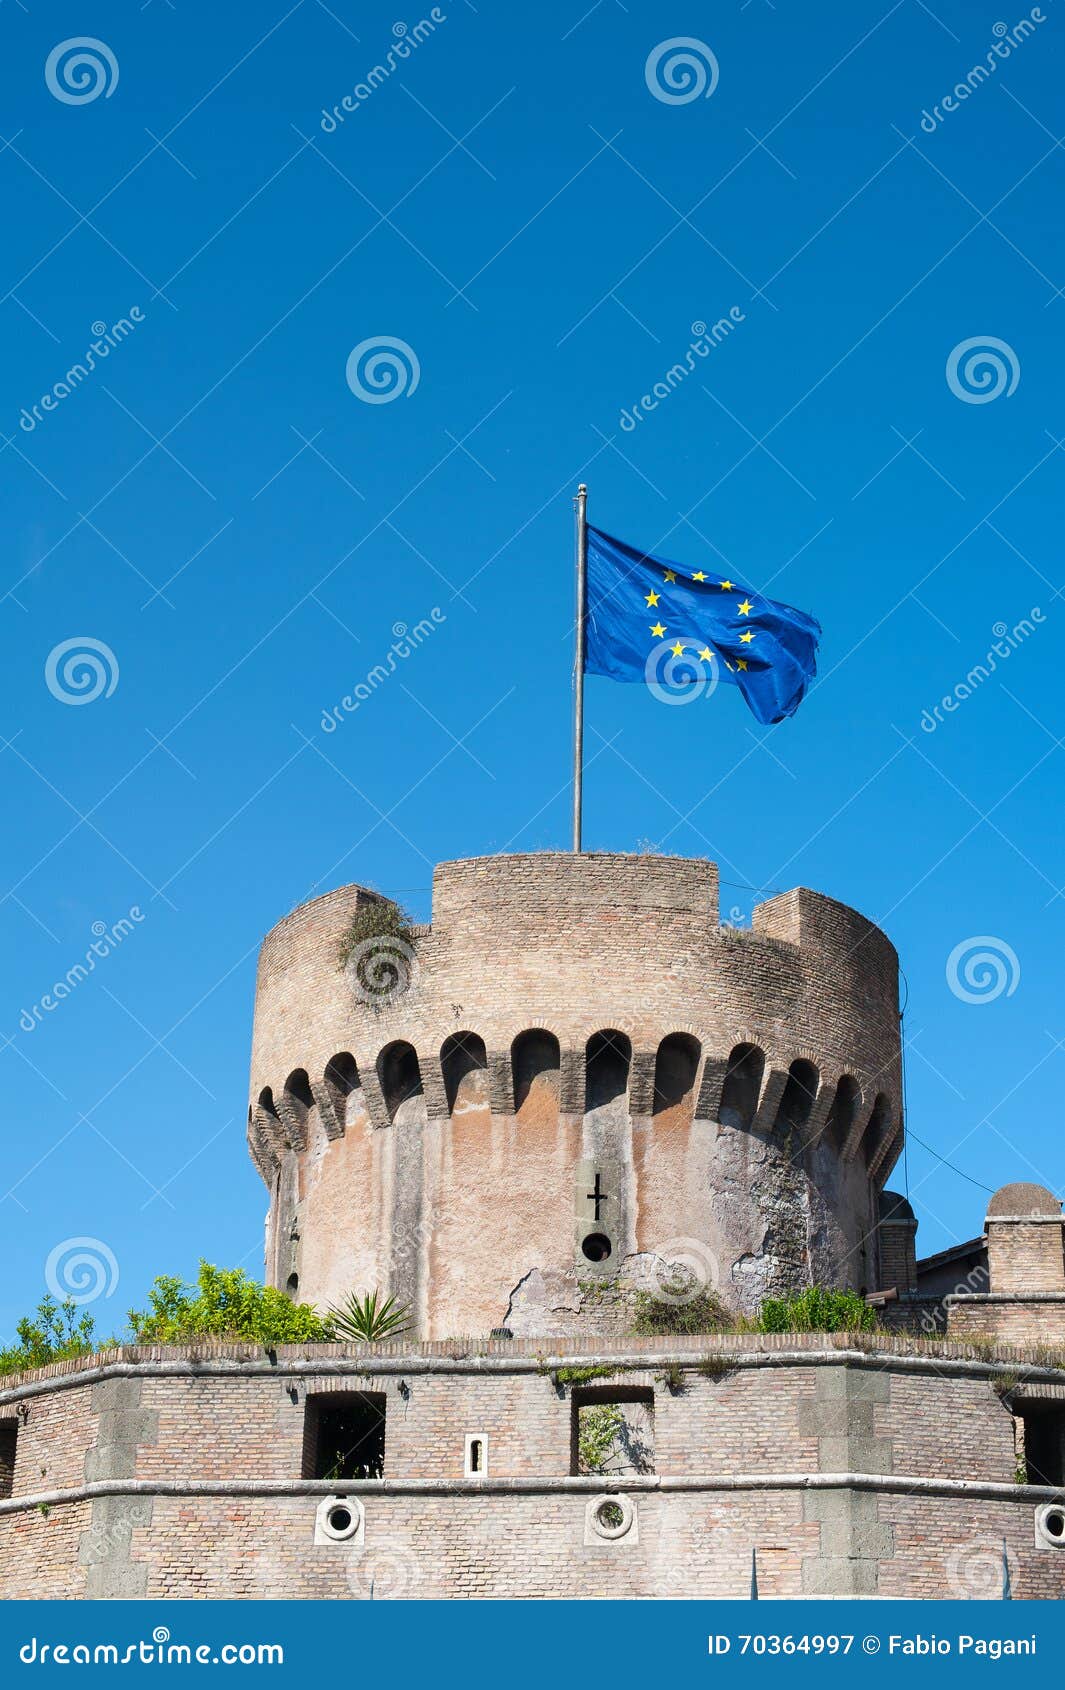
378	952
701	1312
598	1429
223	1303
368	1320
50	1334
817	1309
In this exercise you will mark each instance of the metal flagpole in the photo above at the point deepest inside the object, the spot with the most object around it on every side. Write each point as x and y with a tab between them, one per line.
580	511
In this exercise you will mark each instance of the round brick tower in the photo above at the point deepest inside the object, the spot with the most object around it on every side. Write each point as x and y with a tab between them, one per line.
572	1084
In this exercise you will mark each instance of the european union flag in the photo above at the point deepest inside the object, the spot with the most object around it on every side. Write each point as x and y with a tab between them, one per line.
647	619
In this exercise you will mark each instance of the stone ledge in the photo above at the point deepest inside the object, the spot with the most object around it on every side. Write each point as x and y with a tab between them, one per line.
595	1484
325	1361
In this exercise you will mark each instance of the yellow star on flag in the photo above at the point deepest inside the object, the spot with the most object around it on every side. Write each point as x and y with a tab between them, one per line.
748	636
658	631
741	663
704	655
726	586
652	598
669	575
698	576
745	608
678	650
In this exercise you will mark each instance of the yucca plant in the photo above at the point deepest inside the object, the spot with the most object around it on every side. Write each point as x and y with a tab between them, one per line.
368	1320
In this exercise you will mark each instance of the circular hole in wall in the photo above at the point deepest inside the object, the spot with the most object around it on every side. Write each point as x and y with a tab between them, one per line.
339	1519
596	1247
1054	1522
611	1517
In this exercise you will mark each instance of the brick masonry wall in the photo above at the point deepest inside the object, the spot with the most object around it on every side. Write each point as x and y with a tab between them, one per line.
460	1213
736	1418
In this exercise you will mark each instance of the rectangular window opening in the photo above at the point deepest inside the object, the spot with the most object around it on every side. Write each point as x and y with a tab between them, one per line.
612	1431
476	1464
1044	1441
8	1440
344	1435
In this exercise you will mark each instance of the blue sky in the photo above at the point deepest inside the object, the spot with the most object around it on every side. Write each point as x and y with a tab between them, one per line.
215	506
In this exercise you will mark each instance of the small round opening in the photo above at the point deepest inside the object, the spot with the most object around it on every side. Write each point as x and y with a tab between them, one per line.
596	1247
339	1519
1054	1522
611	1515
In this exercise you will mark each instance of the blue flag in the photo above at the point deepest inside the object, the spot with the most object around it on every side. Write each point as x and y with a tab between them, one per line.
682	631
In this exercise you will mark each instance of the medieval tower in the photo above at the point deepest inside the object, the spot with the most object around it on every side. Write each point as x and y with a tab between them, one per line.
548	1124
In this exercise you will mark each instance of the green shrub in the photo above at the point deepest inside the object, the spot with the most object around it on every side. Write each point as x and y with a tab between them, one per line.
598	1429
655	1316
817	1310
51	1334
224	1303
376	918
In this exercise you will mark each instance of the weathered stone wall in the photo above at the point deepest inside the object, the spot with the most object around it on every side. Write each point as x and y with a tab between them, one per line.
472	1210
180	1473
